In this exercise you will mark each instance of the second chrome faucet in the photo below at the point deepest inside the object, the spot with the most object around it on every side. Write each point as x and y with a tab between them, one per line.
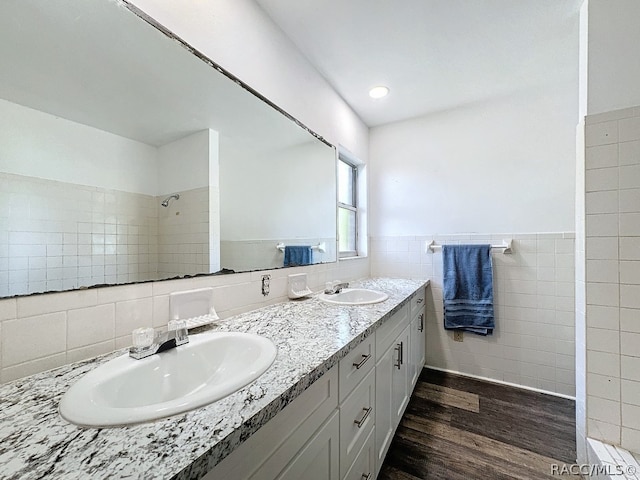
335	287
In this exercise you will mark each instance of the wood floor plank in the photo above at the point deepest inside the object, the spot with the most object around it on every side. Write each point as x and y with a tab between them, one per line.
516	427
460	460
448	396
553	406
433	461
429	409
392	473
488	447
511	434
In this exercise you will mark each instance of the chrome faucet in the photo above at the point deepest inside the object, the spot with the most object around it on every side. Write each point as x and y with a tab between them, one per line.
147	342
336	288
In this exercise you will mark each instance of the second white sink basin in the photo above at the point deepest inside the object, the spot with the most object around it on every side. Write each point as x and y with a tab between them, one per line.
355	296
126	391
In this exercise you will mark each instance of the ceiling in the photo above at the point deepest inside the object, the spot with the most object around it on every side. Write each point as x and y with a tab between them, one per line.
434	55
77	63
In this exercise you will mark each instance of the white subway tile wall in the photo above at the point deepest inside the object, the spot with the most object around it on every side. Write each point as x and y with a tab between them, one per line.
40	332
612	171
251	254
60	236
534	341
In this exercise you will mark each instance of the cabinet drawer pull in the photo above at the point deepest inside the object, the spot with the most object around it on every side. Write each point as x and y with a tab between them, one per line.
421	327
420	300
366	476
367	412
362	362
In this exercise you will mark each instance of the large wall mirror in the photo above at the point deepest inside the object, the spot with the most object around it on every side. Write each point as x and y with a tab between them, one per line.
124	157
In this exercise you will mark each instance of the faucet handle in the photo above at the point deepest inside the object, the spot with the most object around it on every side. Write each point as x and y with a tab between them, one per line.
143	337
181	332
176	324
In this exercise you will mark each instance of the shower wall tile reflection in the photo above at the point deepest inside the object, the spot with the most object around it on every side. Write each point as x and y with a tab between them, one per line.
57	235
183	228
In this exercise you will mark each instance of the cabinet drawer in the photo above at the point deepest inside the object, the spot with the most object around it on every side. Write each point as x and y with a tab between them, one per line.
355	366
390	330
417	303
356	421
364	466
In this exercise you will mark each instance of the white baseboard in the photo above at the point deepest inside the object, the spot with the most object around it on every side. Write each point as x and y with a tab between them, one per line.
501	382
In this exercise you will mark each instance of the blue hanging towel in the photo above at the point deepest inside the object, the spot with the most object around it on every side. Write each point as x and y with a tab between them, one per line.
468	288
297	255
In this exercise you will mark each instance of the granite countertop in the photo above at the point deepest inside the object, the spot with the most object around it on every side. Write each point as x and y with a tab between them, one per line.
311	336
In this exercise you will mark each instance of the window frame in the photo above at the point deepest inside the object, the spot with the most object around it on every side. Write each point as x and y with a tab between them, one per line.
344	206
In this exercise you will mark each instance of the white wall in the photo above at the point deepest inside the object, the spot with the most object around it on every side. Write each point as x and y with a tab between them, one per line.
239	36
613	69
184	163
76	204
37	144
470	175
214	201
533	342
507	165
287	193
189	228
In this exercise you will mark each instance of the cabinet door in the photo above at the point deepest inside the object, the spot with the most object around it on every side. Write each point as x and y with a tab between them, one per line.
384	410
400	382
416	348
392	393
267	452
318	459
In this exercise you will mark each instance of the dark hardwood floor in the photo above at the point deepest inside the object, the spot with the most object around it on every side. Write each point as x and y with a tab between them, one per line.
461	428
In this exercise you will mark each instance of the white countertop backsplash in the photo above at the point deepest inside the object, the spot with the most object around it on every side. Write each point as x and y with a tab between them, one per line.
311	336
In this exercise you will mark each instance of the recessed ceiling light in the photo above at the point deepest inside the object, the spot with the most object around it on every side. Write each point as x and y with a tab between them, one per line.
378	92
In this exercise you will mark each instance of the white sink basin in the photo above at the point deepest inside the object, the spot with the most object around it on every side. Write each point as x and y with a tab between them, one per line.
355	296
124	391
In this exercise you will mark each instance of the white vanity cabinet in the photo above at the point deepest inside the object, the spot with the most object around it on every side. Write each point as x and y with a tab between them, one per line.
392	379
302	441
417	337
317	460
341	427
401	343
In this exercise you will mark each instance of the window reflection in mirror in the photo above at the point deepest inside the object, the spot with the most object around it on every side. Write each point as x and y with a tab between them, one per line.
347	208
